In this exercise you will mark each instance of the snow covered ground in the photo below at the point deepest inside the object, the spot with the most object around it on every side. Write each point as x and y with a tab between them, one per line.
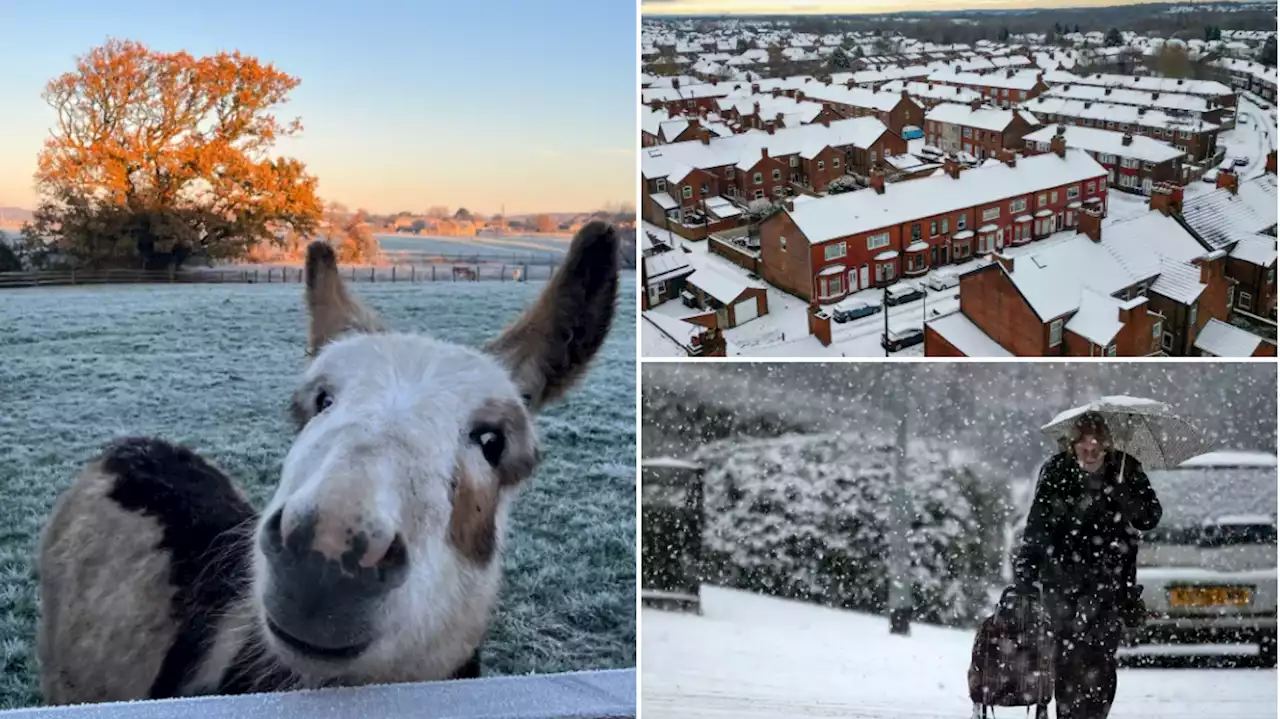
213	366
753	656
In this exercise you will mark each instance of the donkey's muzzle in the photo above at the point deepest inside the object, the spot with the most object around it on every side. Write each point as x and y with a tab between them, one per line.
323	606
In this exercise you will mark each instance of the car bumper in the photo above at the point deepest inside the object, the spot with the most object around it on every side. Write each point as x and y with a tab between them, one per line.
1220	629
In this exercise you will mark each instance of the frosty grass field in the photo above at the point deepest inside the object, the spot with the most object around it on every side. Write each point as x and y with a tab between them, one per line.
212	366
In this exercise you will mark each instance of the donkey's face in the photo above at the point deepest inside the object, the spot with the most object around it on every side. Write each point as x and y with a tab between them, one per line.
380	547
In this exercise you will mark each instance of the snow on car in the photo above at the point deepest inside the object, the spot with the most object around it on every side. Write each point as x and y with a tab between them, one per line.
942	280
1208	571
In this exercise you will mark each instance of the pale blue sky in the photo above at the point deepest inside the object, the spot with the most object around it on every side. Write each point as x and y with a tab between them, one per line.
405	104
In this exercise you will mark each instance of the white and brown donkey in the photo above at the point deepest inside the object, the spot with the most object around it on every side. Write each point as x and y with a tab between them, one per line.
376	561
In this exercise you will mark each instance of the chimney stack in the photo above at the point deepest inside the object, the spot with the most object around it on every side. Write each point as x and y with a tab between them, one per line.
1090	223
1127	139
877	181
1230	180
755	108
975	104
1166	198
1271	162
1006	261
1058	145
769	127
705	136
951	167
764	153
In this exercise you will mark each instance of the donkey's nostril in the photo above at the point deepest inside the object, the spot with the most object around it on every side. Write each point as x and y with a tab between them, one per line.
272	536
392	565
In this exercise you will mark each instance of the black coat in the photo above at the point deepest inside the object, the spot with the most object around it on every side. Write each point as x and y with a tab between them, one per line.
1083	534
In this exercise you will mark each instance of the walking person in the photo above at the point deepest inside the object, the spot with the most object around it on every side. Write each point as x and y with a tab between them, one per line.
1080	545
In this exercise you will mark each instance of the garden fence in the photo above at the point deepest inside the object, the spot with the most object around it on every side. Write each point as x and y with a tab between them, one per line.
282	274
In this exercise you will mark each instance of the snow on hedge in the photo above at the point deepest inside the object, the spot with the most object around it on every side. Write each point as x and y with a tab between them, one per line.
805	516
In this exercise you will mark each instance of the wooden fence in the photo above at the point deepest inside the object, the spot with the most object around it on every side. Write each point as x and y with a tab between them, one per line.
275	275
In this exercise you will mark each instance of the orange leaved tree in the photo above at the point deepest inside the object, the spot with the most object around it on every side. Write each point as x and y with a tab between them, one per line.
159	157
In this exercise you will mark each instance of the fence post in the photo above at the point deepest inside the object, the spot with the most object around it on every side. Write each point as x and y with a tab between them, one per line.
373	274
477	274
393	273
255	275
504	273
413	273
73	276
524	276
433	273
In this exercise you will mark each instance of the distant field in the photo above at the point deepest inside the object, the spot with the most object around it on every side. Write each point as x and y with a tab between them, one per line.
522	245
212	366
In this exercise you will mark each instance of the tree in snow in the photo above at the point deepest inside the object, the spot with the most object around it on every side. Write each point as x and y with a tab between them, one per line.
1113	38
1173	60
839	60
842	184
1267	55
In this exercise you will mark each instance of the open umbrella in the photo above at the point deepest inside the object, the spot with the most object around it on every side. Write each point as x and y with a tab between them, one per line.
1145	429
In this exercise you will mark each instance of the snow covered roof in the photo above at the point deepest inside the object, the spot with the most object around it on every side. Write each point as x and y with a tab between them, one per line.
805	141
665	266
722	208
1159	100
1052	274
691	92
1178	281
851	213
1108	142
1225	340
664	200
1021	80
1098	319
722	287
932	92
855	97
1118	114
674	328
987	118
960	332
1145	83
1258	250
1221	217
1233	458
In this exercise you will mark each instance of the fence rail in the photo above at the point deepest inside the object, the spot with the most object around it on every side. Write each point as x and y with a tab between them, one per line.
435	272
609	694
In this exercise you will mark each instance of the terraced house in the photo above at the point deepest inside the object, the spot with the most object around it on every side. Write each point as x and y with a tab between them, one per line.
1210	89
1194	137
976	129
1003	89
701	186
824	249
1135	163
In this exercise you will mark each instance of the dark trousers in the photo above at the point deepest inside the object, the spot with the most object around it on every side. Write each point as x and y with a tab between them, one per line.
1087	629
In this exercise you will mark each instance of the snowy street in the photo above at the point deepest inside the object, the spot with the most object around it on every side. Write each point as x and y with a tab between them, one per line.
754	656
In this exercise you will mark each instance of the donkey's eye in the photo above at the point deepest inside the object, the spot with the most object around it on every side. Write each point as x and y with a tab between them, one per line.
492	443
323	401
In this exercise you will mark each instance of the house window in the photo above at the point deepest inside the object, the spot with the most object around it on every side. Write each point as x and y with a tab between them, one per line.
704	189
1017	205
960	221
915	232
1231	296
1090	187
1155	329
782	242
1191	317
885	272
1245	301
1166	341
944	225
1073	192
933	228
821	165
661	287
759	179
1271	275
733	191
834	285
759	194
835	162
729	173
660	185
990	213
795	161
968	132
834	251
1055	333
686	192
1053	196
777	175
875	242
1110	350
1041	200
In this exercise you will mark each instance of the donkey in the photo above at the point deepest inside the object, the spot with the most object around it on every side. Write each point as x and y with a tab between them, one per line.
378	558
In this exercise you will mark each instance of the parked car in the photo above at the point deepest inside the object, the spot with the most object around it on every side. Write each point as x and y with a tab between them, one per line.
942	280
853	309
1240	161
1264	106
1210	176
902	293
1208	571
898	340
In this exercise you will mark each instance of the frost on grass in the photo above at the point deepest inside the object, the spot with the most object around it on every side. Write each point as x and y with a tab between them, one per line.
212	366
807	516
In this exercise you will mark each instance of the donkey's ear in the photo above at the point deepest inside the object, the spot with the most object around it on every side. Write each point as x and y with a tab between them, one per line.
331	308
548	347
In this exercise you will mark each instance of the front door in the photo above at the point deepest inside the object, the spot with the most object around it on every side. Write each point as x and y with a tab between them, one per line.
1058	226
853	280
864	276
1146	185
1000	238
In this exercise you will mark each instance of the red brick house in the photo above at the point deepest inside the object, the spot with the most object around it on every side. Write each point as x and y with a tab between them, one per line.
980	131
1005	89
895	110
828	247
1134	162
1197	138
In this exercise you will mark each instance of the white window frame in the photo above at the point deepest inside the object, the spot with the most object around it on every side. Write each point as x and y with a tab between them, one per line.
835	162
660	287
777	174
1090	187
795	161
1042	200
1156	329
944	225
1073	192
822	165
1055	332
840	250
1166	341
1192	315
660	185
1244	300
1053	196
782	242
1231	296
960	222
991	213
758	195
1017	205
1109	350
877	241
759	178
686	192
